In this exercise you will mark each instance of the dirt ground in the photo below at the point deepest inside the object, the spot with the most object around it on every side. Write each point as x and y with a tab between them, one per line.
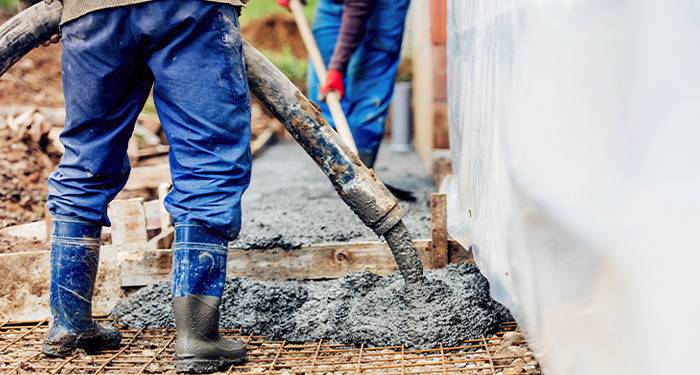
34	80
276	32
24	167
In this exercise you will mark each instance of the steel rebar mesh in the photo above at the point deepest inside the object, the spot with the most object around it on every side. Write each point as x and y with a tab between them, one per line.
151	351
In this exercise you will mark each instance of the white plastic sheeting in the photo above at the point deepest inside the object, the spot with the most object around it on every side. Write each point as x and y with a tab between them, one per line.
575	133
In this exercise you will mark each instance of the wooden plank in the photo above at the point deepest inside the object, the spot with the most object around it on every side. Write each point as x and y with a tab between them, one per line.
25	293
152	151
48	223
25	296
262	140
422	80
41	230
313	262
438	18
35	230
148	177
132	151
128	218
438	204
442	166
165	219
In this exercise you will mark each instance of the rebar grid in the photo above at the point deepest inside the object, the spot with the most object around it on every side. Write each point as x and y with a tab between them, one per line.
149	351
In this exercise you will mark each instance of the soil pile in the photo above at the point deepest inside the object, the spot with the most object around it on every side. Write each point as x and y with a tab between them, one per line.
35	80
24	168
360	308
276	32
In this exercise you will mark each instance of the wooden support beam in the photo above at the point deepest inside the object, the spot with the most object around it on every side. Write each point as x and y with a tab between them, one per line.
35	230
24	295
135	265
439	253
156	218
128	218
326	261
441	166
166	220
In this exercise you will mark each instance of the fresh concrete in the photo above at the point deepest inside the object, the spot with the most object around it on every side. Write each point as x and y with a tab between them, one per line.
290	203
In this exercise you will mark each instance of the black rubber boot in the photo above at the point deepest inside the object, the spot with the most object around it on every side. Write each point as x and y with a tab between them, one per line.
200	349
75	250
61	342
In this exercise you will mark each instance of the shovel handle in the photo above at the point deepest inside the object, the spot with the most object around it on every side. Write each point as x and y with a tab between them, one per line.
332	98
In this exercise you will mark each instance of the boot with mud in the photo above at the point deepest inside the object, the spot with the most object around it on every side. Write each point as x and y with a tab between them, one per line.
75	250
199	272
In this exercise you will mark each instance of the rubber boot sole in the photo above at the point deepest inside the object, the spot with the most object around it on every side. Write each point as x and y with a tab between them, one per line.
205	366
89	344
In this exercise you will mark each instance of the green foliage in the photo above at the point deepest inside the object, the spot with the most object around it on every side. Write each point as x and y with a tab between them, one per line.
261	8
8	4
293	67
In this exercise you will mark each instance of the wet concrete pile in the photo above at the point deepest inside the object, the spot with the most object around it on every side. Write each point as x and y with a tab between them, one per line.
359	308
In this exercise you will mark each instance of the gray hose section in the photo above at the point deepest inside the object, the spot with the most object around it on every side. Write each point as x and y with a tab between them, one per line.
26	30
356	184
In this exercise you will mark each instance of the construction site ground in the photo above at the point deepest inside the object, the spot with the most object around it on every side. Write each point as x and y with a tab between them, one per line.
151	351
290	204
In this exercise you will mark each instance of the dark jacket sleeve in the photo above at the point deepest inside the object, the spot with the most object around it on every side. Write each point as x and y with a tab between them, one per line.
352	31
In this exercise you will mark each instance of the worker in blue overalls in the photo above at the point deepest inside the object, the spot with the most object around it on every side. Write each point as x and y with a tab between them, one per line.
190	53
360	41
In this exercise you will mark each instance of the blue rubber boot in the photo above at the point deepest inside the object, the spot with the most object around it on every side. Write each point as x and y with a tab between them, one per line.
75	248
199	273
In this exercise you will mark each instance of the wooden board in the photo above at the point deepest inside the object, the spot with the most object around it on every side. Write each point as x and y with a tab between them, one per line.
148	177
128	221
314	262
24	295
438	204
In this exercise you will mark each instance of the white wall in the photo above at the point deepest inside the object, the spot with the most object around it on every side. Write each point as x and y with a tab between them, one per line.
575	132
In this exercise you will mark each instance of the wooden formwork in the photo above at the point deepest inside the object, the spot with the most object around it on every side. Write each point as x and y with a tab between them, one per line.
139	254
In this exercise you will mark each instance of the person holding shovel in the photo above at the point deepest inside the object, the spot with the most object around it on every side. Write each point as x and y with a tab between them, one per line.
360	42
189	53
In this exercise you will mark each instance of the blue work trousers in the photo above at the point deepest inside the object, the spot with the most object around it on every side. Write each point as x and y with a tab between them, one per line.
191	53
371	72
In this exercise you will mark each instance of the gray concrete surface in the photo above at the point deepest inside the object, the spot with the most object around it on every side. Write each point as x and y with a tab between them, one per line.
358	308
290	203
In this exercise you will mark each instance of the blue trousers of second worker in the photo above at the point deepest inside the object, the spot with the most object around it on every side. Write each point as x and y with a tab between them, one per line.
371	72
190	52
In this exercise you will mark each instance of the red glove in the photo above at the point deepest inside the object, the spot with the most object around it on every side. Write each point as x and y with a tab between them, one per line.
283	3
334	82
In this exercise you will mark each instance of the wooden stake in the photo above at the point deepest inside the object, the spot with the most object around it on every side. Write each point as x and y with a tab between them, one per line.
438	204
